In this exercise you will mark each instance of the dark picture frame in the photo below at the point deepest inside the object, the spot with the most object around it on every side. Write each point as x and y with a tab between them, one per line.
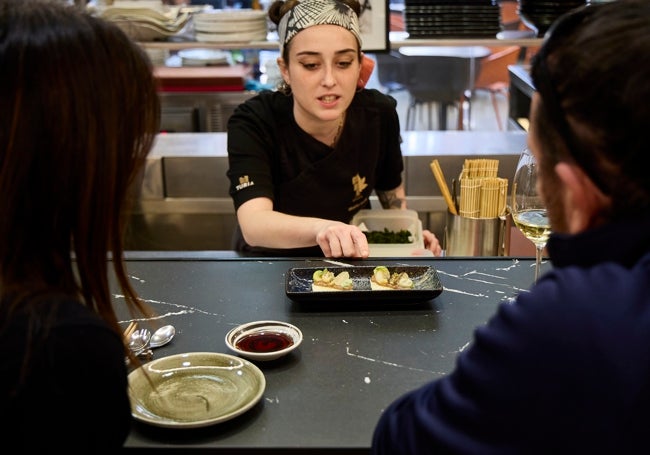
374	22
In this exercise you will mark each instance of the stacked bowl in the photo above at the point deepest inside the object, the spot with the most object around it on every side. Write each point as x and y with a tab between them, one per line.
539	15
231	26
146	20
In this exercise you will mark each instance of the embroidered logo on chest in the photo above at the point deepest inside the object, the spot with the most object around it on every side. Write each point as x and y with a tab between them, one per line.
359	184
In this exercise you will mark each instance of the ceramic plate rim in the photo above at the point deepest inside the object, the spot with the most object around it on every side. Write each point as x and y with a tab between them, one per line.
266	355
245	37
261	379
231	15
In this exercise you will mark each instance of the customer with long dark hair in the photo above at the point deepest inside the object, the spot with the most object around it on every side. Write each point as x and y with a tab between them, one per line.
78	115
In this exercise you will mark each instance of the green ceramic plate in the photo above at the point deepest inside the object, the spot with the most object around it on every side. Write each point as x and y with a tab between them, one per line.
194	390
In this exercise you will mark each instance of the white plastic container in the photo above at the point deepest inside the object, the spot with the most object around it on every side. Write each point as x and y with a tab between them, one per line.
393	220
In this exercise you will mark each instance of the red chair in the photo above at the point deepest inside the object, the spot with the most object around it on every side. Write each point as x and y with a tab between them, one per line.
493	75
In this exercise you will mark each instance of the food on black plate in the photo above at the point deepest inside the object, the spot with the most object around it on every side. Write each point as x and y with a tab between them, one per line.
382	279
326	280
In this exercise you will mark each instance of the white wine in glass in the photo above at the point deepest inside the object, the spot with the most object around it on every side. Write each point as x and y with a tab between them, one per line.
527	208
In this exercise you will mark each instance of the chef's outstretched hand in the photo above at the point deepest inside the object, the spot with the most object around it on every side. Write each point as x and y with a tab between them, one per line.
338	239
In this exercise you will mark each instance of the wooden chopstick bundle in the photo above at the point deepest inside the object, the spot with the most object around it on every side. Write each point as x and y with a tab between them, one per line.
470	197
503	197
442	183
482	193
481	167
493	197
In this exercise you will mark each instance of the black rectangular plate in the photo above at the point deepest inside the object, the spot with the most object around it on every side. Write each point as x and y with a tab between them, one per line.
426	282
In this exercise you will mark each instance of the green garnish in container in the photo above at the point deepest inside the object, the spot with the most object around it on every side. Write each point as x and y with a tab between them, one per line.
388	236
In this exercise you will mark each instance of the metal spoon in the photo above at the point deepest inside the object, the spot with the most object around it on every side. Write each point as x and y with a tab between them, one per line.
139	340
162	336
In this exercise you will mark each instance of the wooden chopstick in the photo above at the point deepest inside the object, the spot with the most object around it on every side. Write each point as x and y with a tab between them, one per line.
132	327
442	183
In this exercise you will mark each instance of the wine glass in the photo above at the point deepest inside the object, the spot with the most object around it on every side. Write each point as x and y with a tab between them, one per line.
527	208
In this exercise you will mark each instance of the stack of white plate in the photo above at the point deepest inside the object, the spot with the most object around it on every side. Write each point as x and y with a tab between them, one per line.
157	5
231	26
146	21
204	57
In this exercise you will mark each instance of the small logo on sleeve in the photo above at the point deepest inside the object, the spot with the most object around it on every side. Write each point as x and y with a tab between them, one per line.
244	182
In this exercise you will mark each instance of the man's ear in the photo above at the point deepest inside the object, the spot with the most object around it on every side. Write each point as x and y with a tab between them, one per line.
582	200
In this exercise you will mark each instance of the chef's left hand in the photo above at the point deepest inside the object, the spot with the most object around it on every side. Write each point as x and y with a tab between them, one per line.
431	242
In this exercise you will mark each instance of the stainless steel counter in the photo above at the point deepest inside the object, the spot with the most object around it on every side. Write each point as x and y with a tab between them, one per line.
184	202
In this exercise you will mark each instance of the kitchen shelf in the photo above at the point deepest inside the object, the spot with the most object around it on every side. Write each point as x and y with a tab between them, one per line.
177	46
489	42
394	43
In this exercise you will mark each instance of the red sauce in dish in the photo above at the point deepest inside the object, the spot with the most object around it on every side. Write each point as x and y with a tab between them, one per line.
264	342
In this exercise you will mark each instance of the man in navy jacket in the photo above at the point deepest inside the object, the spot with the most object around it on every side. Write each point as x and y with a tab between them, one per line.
565	368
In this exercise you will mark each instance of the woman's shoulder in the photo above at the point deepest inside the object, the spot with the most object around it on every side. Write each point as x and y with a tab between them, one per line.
55	325
263	110
59	314
373	98
266	101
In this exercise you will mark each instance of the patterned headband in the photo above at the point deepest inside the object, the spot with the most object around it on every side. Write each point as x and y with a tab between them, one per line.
317	12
